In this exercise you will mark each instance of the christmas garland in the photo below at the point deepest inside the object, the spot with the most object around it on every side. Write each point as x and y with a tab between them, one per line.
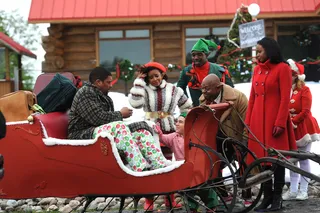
125	70
310	61
303	38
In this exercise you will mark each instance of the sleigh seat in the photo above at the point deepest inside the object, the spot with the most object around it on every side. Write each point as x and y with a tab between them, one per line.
55	131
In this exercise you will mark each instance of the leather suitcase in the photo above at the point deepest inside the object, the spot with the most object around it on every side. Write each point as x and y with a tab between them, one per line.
16	106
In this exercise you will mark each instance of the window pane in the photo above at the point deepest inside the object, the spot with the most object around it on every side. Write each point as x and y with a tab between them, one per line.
290	49
220	30
2	63
290	28
111	34
136	51
197	31
137	33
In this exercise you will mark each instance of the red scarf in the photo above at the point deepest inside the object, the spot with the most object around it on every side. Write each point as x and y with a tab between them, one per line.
197	75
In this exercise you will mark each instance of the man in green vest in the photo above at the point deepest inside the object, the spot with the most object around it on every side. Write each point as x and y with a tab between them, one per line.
193	74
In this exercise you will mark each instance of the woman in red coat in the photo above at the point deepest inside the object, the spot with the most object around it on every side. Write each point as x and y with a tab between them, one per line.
305	126
268	115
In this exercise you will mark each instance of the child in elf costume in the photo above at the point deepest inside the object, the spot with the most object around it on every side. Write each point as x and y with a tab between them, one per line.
193	74
175	141
306	129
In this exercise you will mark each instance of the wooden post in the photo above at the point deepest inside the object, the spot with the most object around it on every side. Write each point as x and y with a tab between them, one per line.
275	31
20	72
7	59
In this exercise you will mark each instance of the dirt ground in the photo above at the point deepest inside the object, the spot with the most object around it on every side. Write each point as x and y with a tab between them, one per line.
312	205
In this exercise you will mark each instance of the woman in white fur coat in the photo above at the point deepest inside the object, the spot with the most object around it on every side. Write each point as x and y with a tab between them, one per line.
159	100
158	97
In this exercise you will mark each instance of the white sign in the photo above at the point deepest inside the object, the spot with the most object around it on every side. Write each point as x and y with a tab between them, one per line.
250	33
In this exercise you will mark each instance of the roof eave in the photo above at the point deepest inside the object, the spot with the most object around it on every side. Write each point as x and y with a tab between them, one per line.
318	10
156	19
31	55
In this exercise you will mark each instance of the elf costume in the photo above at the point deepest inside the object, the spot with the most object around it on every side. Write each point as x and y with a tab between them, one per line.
306	130
192	75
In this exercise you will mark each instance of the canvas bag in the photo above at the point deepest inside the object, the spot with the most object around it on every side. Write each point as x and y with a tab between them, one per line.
17	106
44	79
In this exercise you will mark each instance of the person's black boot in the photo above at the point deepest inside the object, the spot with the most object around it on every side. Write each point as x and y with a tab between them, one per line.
267	197
276	203
277	198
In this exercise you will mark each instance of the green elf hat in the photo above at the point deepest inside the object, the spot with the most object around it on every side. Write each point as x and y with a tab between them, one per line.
183	114
203	45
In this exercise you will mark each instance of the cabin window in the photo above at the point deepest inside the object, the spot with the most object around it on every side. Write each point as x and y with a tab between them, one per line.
116	45
220	31
197	31
111	34
2	63
298	41
194	34
137	33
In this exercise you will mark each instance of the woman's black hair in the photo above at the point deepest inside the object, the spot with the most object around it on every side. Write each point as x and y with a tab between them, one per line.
146	70
272	50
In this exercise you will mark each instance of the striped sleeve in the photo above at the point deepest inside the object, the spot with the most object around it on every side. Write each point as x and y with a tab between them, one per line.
137	94
184	103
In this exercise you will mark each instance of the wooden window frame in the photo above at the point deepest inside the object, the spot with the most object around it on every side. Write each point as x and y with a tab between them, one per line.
123	29
184	36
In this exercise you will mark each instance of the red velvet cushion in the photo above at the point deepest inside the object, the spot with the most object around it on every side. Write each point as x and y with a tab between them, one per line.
55	123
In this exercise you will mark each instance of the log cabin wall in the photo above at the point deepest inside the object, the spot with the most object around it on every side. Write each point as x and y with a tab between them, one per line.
168	46
76	51
71	47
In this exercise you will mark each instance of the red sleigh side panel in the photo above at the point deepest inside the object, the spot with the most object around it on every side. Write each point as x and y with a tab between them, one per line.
33	169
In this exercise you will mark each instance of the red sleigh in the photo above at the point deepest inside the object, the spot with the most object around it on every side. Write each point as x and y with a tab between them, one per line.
41	162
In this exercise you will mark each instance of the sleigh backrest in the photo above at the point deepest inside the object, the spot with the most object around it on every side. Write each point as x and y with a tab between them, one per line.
54	124
201	128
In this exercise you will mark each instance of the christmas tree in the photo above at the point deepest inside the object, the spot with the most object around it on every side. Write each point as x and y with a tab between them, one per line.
237	60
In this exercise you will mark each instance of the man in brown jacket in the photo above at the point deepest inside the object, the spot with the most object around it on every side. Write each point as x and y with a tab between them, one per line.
215	92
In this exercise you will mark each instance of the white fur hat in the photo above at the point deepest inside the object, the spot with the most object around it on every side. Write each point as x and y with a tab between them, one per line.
297	68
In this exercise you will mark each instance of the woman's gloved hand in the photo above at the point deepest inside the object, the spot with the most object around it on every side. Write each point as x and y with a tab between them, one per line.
277	131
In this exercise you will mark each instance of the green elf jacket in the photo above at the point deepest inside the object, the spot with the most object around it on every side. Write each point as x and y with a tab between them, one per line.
196	93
